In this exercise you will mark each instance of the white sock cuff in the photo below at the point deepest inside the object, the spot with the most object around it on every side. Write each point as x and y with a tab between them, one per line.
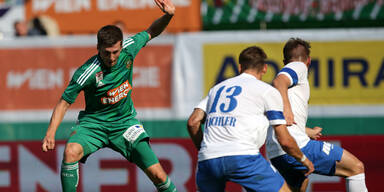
360	176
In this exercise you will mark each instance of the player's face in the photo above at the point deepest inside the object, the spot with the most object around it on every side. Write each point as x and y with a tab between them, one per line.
109	55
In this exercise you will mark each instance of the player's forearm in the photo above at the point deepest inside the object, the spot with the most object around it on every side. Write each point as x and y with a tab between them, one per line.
282	87
57	116
159	25
196	135
292	149
287	142
282	84
195	132
194	123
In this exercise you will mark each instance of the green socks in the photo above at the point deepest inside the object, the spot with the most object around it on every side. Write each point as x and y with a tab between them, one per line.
69	176
167	186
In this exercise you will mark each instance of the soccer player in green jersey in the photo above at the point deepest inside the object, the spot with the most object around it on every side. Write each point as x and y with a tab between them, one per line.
109	116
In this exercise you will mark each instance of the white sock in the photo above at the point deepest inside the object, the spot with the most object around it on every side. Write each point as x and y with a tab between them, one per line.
356	183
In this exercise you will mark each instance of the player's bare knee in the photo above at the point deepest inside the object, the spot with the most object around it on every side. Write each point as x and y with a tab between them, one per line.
159	177
156	173
358	168
355	169
285	188
72	153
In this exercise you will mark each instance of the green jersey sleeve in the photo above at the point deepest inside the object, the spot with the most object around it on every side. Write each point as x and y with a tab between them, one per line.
80	79
136	42
72	91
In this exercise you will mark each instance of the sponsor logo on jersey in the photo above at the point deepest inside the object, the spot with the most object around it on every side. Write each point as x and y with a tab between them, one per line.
133	132
117	94
327	147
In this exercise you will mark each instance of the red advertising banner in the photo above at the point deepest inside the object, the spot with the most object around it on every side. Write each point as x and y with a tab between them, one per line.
88	16
35	78
24	167
367	150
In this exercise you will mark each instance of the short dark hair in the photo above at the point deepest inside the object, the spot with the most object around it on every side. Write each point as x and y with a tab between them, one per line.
109	35
252	58
296	49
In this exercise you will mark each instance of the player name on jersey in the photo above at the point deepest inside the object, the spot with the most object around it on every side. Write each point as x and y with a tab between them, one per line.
221	121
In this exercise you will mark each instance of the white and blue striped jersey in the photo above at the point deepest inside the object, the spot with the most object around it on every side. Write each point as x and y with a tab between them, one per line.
239	111
298	94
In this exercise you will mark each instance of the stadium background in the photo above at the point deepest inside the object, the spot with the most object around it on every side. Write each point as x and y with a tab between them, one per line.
175	71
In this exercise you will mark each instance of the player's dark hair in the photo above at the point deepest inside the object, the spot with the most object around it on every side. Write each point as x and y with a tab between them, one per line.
252	58
109	35
296	49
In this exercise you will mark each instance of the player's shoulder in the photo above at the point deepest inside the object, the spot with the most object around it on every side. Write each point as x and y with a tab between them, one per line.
142	36
252	81
128	41
227	83
86	70
266	87
296	66
296	63
246	81
92	62
295	70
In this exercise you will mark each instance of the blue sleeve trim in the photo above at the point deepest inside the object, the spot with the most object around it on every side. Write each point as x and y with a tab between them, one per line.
292	73
275	115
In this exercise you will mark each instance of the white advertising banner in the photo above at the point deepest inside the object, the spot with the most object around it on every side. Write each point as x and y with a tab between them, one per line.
346	73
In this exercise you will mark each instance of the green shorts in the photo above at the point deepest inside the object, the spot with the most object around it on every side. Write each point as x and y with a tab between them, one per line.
129	139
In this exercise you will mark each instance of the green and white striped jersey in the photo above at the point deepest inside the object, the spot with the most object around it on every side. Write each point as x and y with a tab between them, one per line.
107	91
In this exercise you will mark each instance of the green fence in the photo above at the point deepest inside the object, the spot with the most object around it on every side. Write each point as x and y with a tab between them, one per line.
177	128
288	14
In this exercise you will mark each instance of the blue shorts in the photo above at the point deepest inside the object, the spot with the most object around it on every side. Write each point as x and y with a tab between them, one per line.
322	154
252	172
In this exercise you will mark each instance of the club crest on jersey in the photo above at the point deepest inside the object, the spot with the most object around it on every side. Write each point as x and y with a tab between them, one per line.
99	77
128	64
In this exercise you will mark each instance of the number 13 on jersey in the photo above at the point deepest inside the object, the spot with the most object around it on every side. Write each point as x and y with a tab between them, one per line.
225	99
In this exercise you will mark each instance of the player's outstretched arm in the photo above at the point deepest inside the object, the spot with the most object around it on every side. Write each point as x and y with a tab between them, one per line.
194	126
281	83
289	145
161	23
314	133
57	116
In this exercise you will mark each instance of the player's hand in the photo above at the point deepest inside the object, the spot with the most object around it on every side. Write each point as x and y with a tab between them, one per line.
315	133
289	118
310	168
48	143
166	6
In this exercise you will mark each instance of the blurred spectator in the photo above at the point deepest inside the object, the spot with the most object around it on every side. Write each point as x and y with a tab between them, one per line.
37	26
21	28
50	25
